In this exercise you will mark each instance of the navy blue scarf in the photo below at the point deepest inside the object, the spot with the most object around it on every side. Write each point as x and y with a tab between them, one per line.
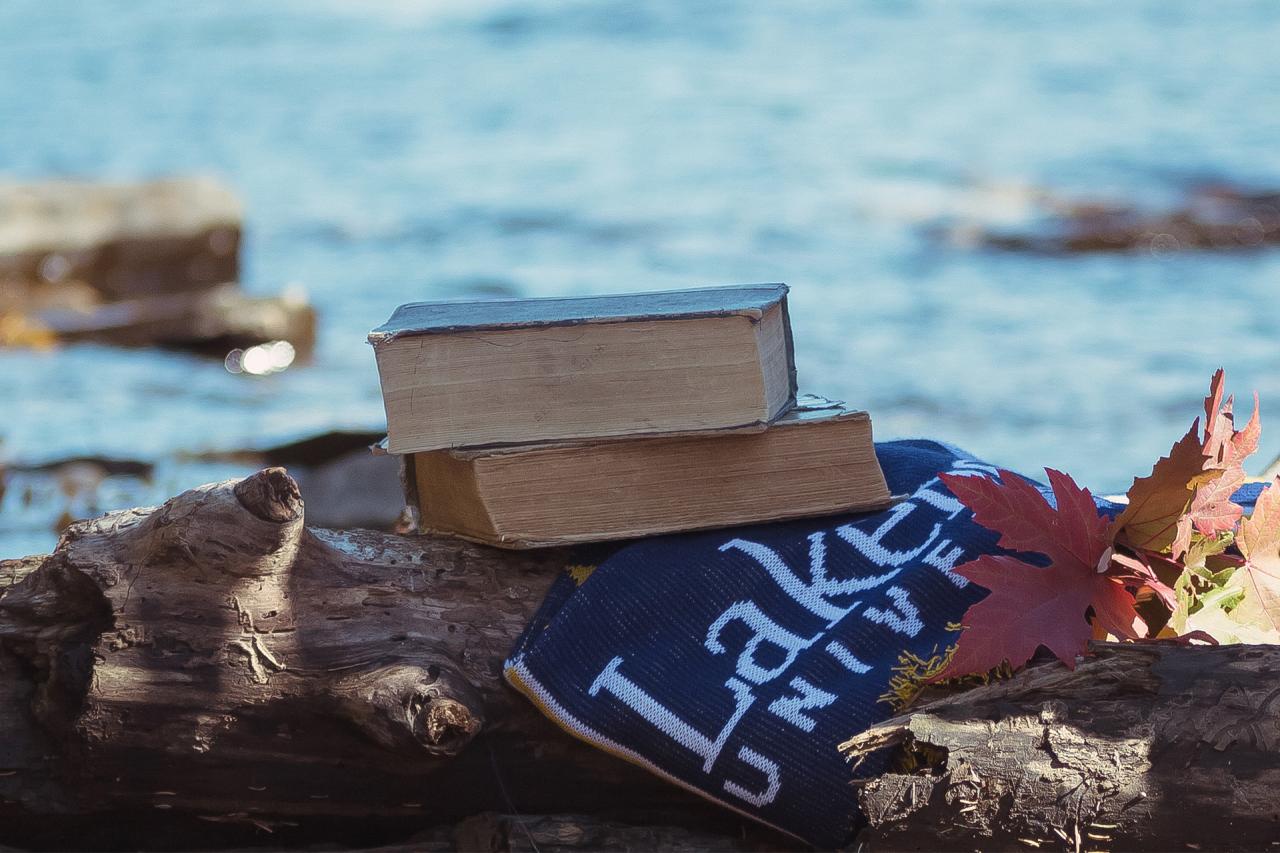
734	662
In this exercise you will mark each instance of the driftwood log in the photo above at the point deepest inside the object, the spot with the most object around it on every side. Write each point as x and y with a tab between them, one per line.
213	660
212	673
1141	747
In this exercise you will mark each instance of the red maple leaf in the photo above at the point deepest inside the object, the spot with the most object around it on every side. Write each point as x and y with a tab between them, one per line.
1139	573
1030	606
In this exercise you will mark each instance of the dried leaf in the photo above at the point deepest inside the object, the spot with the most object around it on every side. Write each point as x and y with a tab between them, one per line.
1211	510
1259	577
1188	494
1224	628
1224	446
1158	501
1260	533
1138	572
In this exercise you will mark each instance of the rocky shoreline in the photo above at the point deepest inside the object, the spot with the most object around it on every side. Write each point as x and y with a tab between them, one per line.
147	264
1204	217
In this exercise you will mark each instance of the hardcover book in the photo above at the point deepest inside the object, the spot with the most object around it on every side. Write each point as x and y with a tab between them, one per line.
818	459
478	373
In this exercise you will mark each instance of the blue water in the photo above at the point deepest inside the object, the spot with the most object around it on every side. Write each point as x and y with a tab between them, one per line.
389	151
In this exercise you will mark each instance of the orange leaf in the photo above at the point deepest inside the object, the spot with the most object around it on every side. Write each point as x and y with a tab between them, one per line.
1159	500
1224	446
1190	490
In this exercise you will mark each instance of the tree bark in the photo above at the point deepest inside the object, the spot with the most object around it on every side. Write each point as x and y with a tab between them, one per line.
214	657
1141	747
548	833
205	672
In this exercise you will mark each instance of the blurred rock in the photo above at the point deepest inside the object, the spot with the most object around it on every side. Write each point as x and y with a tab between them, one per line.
1208	217
349	486
134	265
212	321
100	466
320	449
123	240
50	495
356	489
346	484
17	330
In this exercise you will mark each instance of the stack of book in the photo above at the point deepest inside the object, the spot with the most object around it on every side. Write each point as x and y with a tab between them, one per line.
524	423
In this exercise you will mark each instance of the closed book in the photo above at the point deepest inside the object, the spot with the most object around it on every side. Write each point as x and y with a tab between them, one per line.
515	371
816	460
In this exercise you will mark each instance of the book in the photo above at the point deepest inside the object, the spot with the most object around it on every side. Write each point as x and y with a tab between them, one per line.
508	371
816	460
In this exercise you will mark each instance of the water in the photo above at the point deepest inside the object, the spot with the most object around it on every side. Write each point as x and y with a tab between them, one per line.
390	151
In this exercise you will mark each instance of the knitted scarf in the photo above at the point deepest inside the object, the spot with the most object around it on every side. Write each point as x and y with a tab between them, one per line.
733	662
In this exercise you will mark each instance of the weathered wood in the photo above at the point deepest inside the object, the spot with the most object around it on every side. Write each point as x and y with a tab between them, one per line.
212	669
505	833
489	832
214	657
1148	747
548	833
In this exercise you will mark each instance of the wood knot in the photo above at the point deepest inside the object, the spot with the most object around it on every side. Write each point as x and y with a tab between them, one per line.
432	709
442	726
271	495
